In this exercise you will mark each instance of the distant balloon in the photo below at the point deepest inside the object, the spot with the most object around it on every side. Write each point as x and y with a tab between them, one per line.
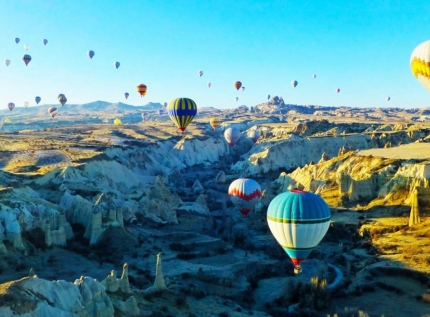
294	83
45	41
420	59
7	120
11	106
298	220
209	85
143	115
243	88
182	111
237	98
117	121
53	111
62	100
232	135
116	64
26	104
60	95
126	95
7	62
254	135
91	54
17	40
388	98
338	90
268	97
244	193
27	59
26	47
37	99
237	85
200	73
141	89
165	105
214	122
315	76
160	112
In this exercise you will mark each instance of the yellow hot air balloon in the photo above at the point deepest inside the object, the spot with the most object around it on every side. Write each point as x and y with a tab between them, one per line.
420	64
7	120
141	89
117	122
26	104
214	122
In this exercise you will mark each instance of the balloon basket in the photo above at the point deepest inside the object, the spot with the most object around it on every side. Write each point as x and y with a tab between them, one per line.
297	269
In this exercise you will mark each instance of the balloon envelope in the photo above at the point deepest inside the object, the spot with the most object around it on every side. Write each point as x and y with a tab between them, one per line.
11	106
182	111
91	54
338	90
214	122
243	88
26	47
209	85
237	85
315	76
117	121
141	89
298	220
294	83
37	99
62	100
26	58
17	40
53	111
244	193
26	104
420	64
45	41
388	98
232	135
116	64
268	97
200	73
126	95
7	62
254	135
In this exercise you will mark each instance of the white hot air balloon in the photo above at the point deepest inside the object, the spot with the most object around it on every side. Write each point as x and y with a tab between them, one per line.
244	194
232	135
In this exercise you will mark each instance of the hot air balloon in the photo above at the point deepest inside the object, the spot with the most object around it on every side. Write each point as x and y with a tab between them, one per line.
214	122
243	88
117	121
232	135
60	95
91	54
7	62
141	89
126	95
37	99
160	112
62	100
338	90
182	111
45	41
53	111
116	64
165	105
244	193
11	106
26	104
268	97
7	120
294	83
143	115
209	85
237	85
237	98
420	59
298	220
26	47
315	76
388	98
17	40
200	73
26	58
254	135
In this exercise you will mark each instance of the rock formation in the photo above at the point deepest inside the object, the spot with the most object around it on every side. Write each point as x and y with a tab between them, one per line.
159	283
114	284
414	217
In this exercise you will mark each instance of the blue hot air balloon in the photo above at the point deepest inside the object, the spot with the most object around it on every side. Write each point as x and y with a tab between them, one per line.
27	59
45	41
17	40
182	111
116	64
91	54
298	220
126	95
37	99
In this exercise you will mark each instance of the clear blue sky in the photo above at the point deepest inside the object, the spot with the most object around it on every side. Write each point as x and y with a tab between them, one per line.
363	47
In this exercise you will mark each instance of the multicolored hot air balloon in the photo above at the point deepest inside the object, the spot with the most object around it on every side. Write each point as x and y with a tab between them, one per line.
91	54
116	64
338	90
254	135
27	59
62	100
45	41
200	73
214	122
117	121
11	106
37	99
26	47
237	85
7	62
53	111
26	104
420	64
209	85
294	83
244	193
232	135
388	98
126	95
141	89
17	40
182	111
298	220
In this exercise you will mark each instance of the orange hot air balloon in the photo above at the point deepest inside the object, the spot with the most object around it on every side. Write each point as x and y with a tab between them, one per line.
237	85
141	89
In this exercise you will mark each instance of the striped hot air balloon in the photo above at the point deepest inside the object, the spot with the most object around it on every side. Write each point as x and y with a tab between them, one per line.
182	111
420	64
11	106
298	220
244	193
232	135
214	122
27	59
53	111
141	89
237	85
62	99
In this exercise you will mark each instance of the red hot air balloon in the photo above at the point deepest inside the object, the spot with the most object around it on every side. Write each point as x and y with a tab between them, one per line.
53	111
244	194
141	89
237	85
